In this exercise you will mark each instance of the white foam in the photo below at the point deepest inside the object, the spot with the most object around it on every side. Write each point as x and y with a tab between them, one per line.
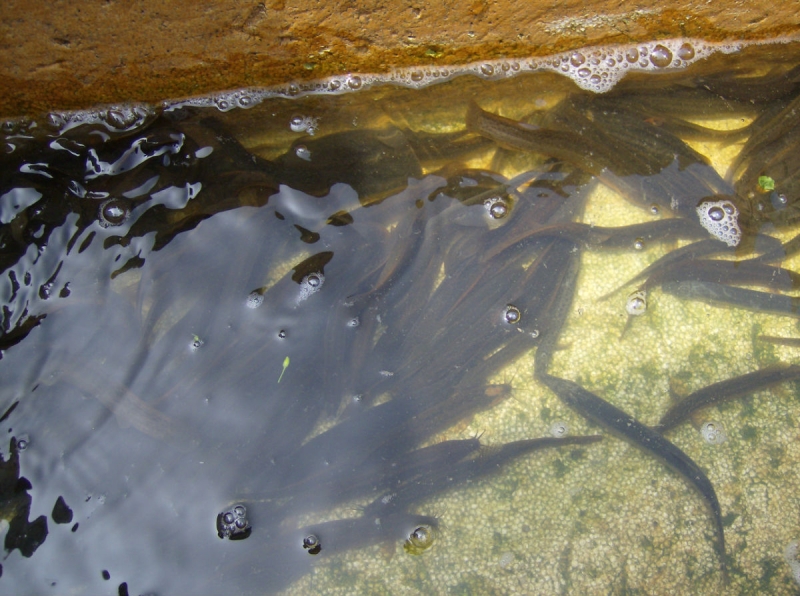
721	219
596	69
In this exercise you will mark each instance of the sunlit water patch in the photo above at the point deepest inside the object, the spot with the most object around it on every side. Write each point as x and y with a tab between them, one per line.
448	339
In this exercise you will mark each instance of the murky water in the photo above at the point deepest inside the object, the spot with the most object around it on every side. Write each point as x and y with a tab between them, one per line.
385	341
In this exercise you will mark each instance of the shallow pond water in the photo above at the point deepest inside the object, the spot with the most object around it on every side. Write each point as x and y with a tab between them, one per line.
388	341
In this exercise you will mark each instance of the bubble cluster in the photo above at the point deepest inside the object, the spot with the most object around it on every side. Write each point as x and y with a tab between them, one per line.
790	555
420	540
123	118
306	124
713	433
559	429
233	524
311	284
312	544
637	303
721	219
255	299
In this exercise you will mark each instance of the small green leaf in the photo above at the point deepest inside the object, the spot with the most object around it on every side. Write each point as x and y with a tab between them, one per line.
285	366
766	183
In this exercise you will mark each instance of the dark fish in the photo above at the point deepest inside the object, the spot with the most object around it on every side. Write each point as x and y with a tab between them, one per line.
487	461
628	428
376	163
724	391
686	255
748	272
567	146
721	294
618	237
793	342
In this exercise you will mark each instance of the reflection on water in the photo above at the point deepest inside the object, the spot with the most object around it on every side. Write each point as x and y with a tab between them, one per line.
390	350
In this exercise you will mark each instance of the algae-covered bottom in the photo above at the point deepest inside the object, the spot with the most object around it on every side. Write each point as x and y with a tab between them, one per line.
310	346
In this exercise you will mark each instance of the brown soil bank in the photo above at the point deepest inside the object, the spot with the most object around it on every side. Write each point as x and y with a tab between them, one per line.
71	55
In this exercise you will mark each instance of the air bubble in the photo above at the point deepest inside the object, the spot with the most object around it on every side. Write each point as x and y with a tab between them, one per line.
661	57
354	322
637	303
312	544
55	120
686	51
577	59
584	72
22	443
632	55
354	82
223	105
512	315
420	540
297	123
595	79
778	200
487	69
654	210
303	152
559	429
417	76
245	101
638	244
713	433
113	212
